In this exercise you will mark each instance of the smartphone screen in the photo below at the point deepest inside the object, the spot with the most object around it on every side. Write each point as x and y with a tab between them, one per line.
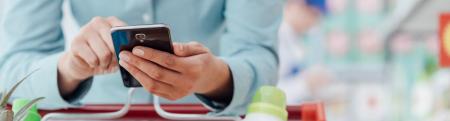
156	36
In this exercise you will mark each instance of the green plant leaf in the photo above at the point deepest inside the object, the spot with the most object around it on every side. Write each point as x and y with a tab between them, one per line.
3	94
7	95
22	113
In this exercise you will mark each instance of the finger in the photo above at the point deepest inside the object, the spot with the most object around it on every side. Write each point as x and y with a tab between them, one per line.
99	71
83	51
100	49
159	57
80	67
189	49
78	62
103	27
151	69
113	66
115	22
148	83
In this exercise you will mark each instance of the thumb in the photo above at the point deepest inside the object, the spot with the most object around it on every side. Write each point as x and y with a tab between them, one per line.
189	49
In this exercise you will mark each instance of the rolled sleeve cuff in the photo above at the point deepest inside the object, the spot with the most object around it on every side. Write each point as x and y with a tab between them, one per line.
242	82
79	92
45	84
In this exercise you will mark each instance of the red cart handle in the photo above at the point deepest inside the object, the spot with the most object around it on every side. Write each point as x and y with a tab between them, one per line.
312	111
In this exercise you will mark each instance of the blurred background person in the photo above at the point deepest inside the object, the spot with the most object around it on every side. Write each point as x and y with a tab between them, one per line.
301	18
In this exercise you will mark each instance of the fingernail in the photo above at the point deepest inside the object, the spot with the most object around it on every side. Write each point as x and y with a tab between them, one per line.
124	57
123	64
138	52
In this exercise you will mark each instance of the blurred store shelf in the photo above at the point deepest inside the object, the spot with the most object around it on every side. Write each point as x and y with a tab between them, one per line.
425	18
414	16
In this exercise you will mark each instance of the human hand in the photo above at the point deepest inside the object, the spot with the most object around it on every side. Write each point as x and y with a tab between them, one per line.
193	69
91	53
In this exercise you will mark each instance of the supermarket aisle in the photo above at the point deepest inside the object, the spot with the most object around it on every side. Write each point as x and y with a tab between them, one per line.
360	75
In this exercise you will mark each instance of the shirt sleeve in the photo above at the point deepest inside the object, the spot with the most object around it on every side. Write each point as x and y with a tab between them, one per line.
32	39
248	46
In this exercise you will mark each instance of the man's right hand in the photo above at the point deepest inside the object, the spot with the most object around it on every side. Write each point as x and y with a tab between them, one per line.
91	53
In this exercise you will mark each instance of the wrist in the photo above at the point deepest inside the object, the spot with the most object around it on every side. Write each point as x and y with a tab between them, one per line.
64	72
67	81
222	91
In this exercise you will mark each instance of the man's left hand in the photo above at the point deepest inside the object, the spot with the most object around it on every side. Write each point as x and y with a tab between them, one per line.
192	69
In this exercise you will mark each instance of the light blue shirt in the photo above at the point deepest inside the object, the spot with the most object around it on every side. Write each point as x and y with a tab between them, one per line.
241	32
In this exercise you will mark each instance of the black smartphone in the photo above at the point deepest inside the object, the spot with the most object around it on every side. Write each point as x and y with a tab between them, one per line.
156	36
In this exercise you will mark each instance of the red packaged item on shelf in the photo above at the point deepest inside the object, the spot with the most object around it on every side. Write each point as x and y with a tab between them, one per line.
444	40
